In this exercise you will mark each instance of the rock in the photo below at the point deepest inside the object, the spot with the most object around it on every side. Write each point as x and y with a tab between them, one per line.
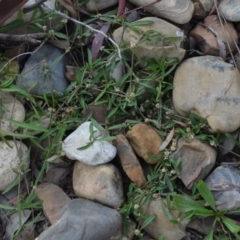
11	109
118	71
161	226
230	10
32	16
197	160
47	192
70	73
129	161
177	11
85	220
202	225
94	6
11	158
40	73
212	39
145	141
202	8
209	87
224	182
98	152
157	47
99	112
100	183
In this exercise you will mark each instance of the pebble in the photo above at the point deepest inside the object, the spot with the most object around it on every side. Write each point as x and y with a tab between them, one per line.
209	87
230	10
85	220
98	152
197	160
41	75
101	183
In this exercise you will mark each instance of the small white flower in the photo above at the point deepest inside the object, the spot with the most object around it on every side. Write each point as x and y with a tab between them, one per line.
163	170
64	20
136	206
44	28
132	45
188	129
137	232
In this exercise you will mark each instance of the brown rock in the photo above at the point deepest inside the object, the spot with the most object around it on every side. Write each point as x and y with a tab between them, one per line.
145	141
212	36
54	199
129	161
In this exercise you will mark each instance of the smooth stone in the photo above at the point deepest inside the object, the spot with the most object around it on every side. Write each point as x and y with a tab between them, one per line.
212	39
161	226
145	141
230	10
197	160
12	109
98	152
85	220
12	158
94	6
224	182
156	48
52	207
209	87
177	11
101	183
129	161
40	74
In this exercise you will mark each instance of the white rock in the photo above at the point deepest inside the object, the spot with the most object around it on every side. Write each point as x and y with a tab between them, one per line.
11	109
230	10
98	152
11	158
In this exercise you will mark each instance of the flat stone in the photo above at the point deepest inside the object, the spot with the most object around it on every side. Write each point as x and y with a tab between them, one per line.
212	39
129	161
12	158
224	182
230	10
145	141
156	48
161	226
177	11
12	109
94	6
101	183
85	220
197	160
209	87
98	152
40	74
52	206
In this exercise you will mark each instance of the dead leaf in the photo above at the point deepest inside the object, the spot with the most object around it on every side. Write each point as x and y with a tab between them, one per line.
167	141
69	6
121	7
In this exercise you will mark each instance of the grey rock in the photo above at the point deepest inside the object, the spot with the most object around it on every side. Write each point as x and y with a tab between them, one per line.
230	10
101	183
42	74
94	6
85	220
209	87
197	160
224	182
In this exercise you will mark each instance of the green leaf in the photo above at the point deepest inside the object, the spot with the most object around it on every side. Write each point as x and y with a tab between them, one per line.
232	138
107	138
206	194
61	35
147	221
6	207
231	225
209	236
27	126
85	146
100	95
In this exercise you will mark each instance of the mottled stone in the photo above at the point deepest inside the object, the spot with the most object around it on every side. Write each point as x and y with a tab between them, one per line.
209	87
145	141
129	161
85	220
47	192
11	158
101	183
197	160
224	182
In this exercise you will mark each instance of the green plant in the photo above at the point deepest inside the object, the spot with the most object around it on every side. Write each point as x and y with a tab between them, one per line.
193	208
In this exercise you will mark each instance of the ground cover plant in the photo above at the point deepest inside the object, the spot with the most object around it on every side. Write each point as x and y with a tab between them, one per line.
142	94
